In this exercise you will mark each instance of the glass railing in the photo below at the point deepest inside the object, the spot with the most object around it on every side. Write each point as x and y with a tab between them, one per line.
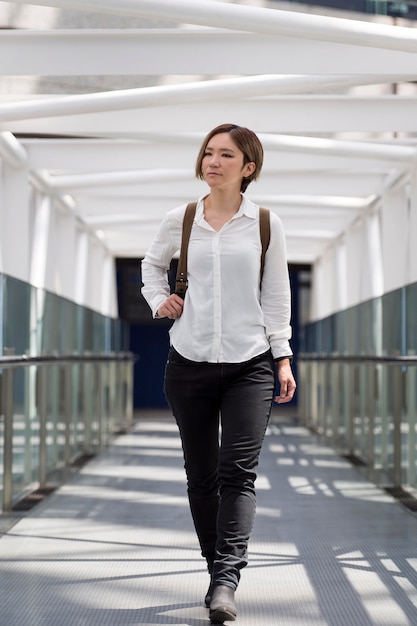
65	386
366	408
385	326
37	322
56	412
358	385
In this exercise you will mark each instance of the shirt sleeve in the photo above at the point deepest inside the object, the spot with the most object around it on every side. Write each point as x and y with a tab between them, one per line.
157	260
275	292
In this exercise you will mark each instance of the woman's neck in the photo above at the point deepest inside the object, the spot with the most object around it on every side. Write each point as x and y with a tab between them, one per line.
220	208
225	203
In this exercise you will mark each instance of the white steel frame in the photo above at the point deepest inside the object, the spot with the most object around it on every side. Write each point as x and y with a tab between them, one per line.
333	100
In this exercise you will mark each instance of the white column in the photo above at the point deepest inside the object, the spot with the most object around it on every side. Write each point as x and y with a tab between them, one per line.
101	280
2	212
340	284
328	281
15	222
40	241
42	212
395	237
372	283
64	254
81	267
354	263
318	290
411	270
1	255
109	288
95	274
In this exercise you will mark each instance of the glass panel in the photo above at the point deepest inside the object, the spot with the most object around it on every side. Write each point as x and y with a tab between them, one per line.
392	320
351	326
364	420
327	335
411	319
411	405
366	337
16	315
36	322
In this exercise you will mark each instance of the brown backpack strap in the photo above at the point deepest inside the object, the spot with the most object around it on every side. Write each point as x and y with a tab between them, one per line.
187	224
265	233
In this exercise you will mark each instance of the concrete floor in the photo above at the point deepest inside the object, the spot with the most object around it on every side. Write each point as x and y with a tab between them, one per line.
116	544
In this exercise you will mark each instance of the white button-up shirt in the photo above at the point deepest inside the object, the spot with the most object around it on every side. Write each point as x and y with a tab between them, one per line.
226	318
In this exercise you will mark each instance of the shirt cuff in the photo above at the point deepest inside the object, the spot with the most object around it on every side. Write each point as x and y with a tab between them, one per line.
281	358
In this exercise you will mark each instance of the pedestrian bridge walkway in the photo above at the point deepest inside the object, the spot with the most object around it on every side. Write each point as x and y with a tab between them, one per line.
116	545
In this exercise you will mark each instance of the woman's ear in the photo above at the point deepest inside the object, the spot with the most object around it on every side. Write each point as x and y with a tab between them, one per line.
249	169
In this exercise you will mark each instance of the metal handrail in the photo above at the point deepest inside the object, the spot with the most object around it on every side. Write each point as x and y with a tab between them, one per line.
103	393
24	359
355	358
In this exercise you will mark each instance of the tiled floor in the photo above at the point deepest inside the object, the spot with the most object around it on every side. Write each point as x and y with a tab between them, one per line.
116	544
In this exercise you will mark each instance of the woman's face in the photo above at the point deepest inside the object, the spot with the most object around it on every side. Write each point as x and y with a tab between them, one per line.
222	163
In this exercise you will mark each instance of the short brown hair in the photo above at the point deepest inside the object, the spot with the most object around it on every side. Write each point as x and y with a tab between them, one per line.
246	141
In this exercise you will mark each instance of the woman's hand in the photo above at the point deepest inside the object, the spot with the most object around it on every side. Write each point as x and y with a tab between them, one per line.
171	308
286	381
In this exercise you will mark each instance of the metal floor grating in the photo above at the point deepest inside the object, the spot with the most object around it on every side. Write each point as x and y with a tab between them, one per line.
116	544
33	499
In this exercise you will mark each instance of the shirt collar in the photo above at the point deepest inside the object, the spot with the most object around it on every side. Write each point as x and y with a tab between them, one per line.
247	207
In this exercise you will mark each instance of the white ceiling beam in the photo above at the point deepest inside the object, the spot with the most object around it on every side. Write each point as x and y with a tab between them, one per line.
123	52
70	183
292	203
252	19
187	143
313	183
111	179
41	181
79	155
320	201
292	166
190	138
140	234
87	155
106	205
305	218
309	233
338	147
111	224
317	182
292	114
297	211
12	151
112	155
298	250
124	193
301	251
226	90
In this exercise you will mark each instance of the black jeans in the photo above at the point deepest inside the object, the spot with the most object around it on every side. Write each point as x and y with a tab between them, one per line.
221	471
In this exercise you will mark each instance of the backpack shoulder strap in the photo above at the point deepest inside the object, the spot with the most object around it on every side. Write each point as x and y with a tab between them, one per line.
187	224
265	233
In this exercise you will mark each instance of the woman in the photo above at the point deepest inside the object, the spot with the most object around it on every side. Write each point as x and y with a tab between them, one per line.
227	333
